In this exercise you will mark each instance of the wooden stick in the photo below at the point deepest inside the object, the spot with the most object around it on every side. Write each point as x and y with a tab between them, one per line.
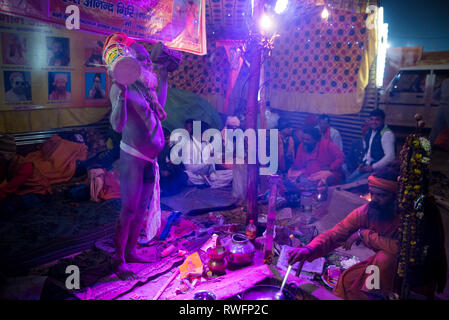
173	276
271	220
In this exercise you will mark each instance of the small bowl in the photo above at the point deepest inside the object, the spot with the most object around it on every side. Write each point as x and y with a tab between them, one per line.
204	295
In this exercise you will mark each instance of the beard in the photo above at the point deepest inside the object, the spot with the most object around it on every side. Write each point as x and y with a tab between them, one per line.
381	213
148	78
309	147
19	91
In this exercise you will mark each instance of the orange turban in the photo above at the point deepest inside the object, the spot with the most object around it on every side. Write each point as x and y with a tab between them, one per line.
383	184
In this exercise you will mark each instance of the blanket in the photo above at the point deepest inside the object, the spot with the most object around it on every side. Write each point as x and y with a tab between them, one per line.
56	160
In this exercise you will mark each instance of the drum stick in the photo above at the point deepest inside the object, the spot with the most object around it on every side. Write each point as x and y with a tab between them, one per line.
173	276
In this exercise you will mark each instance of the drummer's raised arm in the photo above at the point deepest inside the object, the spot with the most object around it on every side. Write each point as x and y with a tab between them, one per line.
162	87
117	95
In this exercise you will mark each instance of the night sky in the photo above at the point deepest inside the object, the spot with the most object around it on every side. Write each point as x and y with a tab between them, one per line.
418	23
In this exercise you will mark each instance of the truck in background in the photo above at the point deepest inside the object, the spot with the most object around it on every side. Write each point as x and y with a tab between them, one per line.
413	90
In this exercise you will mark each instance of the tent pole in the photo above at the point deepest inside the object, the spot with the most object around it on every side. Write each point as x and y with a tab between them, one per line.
252	109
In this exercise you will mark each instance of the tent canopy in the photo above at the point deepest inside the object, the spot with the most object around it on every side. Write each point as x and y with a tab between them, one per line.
182	105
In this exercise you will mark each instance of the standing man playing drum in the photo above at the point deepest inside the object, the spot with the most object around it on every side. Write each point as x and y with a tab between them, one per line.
137	112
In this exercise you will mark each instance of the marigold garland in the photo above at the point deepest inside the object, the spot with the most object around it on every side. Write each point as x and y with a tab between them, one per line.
413	188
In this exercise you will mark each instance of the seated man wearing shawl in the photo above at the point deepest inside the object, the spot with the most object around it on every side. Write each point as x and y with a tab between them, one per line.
376	225
200	167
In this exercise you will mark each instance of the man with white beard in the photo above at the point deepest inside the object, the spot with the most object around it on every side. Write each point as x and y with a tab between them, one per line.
137	112
18	88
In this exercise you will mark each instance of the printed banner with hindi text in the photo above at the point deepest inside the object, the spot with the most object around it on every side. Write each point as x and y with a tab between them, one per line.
179	24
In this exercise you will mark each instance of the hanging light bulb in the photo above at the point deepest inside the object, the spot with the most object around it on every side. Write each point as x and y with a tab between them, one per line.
265	22
325	13
280	6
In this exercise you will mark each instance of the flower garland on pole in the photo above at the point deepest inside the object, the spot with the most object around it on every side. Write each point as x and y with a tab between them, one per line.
413	190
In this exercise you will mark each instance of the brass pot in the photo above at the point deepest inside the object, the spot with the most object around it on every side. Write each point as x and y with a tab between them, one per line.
240	250
217	267
217	263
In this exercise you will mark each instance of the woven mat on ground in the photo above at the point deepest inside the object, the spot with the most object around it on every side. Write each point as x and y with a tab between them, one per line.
193	200
110	287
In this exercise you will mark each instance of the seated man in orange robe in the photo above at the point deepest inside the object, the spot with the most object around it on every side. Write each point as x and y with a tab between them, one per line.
376	225
316	160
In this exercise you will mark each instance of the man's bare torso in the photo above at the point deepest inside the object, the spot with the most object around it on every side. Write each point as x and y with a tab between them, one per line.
136	134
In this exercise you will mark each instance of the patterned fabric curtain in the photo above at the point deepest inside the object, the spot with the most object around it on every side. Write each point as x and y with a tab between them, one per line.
207	76
321	66
348	5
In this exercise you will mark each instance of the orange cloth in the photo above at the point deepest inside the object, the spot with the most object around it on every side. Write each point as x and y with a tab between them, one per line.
192	266
22	178
56	160
378	236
